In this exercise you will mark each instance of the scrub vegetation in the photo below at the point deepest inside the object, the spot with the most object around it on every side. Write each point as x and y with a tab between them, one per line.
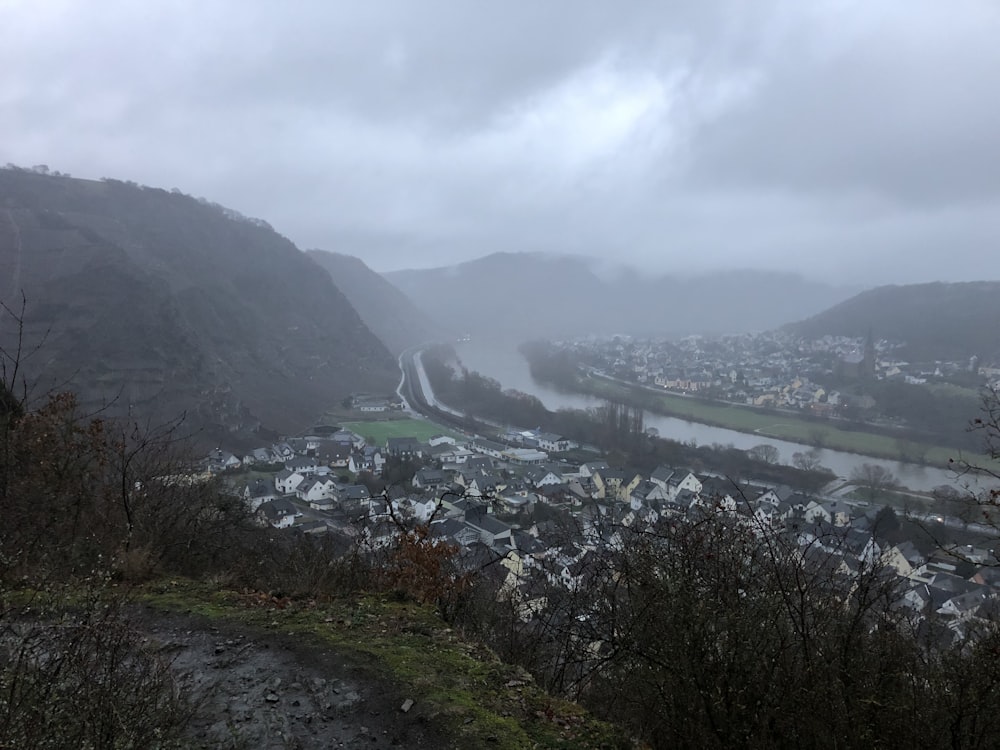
693	632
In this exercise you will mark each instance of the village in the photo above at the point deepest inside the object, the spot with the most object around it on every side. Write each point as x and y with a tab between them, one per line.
771	369
516	500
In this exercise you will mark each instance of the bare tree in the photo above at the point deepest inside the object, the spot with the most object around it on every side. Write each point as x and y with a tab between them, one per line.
703	631
765	453
806	460
818	436
981	477
874	479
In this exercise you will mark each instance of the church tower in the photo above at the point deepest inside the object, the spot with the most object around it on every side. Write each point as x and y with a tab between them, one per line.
868	363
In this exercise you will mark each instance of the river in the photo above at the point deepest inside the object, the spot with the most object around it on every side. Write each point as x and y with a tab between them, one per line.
502	362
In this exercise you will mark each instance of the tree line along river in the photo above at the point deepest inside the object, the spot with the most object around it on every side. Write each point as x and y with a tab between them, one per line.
501	361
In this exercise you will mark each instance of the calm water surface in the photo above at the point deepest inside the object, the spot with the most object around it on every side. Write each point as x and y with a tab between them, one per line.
501	361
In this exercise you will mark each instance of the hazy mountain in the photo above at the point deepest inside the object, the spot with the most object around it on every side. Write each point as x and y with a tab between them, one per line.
389	313
522	295
171	304
937	321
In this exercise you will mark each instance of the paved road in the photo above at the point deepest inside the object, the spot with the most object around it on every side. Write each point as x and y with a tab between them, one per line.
415	390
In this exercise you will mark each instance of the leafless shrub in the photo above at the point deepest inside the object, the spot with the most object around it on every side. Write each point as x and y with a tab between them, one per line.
75	673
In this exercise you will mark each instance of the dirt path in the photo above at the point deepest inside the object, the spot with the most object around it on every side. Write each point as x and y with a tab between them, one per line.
266	689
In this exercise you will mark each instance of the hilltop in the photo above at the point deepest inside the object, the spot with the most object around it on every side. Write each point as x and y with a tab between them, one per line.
936	321
529	295
160	304
389	313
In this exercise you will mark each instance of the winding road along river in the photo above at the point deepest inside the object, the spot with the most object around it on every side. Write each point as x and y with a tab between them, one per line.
501	361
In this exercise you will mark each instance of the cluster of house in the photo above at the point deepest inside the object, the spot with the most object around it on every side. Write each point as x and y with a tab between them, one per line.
770	369
340	450
483	497
313	471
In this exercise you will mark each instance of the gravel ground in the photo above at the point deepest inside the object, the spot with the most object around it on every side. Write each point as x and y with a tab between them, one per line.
267	689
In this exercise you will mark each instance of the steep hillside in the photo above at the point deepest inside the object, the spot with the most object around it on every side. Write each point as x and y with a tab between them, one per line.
525	295
163	304
937	321
385	310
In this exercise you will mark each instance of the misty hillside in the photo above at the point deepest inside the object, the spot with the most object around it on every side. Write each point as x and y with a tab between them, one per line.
389	313
936	321
527	294
166	304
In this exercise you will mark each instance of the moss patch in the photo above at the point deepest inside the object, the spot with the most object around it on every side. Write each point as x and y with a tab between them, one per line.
481	701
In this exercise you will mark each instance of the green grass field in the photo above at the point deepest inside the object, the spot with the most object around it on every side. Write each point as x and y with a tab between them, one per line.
380	431
950	389
782	426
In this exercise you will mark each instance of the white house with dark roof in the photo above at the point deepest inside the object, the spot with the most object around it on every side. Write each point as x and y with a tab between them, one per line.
429	479
662	475
488	447
286	481
684	480
283	451
220	460
302	465
369	458
258	493
553	443
649	494
539	476
278	513
834	512
316	489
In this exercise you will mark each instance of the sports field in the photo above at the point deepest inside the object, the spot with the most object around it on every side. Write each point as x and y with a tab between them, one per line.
380	431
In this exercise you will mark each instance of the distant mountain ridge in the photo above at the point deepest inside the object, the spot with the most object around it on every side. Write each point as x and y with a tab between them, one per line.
523	295
389	313
165	304
936	321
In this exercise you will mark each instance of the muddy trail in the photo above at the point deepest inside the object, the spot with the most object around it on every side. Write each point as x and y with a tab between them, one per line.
252	688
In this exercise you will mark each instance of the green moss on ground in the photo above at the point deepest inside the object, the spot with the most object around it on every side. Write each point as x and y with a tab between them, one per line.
481	701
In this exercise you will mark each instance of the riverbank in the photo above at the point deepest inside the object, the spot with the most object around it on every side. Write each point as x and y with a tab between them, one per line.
771	424
618	435
506	363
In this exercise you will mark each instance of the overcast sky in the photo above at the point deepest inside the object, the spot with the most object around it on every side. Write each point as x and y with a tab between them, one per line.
847	139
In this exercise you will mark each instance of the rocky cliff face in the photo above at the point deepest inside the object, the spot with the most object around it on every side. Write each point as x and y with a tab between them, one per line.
160	304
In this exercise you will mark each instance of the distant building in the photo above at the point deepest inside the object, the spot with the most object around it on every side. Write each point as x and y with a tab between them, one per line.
859	365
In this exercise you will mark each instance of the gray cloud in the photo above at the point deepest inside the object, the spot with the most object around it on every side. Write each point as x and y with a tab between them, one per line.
907	110
833	138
